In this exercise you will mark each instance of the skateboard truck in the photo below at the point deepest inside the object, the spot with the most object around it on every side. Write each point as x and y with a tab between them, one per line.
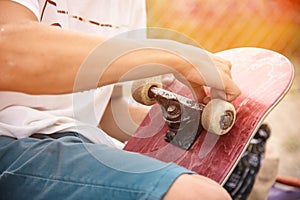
181	116
184	117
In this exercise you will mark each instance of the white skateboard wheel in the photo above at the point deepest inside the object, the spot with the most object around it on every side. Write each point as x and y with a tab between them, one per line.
218	116
140	90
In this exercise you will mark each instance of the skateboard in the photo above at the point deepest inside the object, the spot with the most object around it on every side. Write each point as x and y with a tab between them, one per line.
264	78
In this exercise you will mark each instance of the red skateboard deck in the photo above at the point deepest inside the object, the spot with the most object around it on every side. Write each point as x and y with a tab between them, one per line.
263	76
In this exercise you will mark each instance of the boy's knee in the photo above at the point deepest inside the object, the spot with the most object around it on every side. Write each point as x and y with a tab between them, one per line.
196	187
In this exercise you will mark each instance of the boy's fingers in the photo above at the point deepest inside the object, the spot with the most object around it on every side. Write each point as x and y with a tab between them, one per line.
199	92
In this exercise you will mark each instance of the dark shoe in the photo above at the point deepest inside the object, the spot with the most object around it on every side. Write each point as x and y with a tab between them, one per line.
241	181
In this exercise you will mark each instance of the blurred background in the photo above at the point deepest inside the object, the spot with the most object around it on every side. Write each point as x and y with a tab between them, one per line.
218	25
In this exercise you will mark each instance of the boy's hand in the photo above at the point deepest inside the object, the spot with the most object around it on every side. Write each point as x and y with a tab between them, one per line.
229	90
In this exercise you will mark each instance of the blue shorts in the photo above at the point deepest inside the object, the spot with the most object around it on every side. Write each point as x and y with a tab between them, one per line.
70	167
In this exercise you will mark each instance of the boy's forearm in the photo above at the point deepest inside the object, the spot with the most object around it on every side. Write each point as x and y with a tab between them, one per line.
40	59
37	58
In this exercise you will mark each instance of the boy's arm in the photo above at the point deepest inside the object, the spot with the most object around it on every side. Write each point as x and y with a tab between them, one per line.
41	59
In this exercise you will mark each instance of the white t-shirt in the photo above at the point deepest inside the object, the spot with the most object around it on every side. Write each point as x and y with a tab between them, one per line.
22	115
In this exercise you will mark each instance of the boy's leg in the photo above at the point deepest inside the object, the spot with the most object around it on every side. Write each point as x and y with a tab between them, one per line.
194	186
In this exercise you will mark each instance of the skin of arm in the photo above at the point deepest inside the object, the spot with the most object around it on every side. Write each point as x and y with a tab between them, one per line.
50	57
